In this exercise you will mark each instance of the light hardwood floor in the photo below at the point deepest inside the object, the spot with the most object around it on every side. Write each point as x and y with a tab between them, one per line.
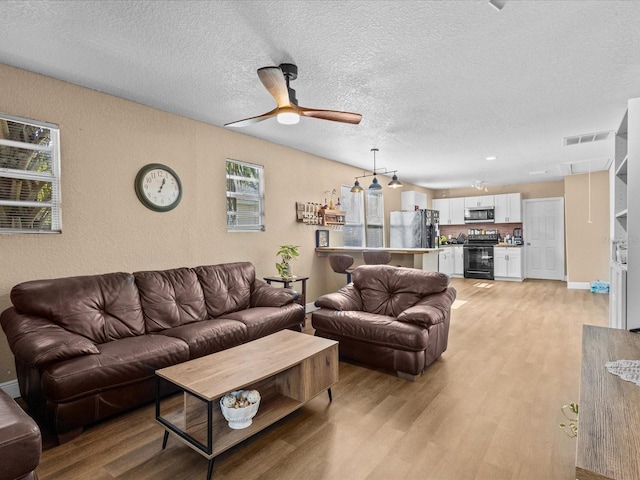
488	409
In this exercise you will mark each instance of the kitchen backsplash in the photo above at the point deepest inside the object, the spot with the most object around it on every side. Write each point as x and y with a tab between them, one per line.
503	228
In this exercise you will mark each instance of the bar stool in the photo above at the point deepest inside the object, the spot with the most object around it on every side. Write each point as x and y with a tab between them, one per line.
341	263
376	258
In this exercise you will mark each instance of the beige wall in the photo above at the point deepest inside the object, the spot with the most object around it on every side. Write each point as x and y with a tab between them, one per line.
587	243
105	141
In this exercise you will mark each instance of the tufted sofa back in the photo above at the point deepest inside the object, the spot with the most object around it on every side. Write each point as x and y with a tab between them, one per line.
170	298
388	290
109	307
99	307
226	287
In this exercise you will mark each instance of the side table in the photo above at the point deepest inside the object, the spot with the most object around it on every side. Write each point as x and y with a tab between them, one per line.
302	300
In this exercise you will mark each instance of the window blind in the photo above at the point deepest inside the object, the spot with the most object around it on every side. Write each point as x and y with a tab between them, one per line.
245	196
29	176
375	219
353	205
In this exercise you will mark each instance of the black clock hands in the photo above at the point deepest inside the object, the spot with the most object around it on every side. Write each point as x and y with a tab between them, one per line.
162	185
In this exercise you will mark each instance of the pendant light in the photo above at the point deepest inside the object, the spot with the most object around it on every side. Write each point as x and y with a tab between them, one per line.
395	183
375	185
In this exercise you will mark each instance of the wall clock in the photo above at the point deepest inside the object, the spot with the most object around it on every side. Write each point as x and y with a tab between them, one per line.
158	187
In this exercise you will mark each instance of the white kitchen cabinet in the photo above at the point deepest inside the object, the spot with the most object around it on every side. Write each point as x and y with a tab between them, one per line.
456	211
442	205
458	261
507	263
451	210
508	208
451	261
445	261
479	201
410	199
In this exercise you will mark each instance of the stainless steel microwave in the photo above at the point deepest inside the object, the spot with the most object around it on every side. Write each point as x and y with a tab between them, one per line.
479	215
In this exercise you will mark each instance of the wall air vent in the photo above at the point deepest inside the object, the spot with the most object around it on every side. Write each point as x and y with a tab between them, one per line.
586	138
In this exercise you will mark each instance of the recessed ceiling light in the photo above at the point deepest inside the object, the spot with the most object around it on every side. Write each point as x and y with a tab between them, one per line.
491	158
538	172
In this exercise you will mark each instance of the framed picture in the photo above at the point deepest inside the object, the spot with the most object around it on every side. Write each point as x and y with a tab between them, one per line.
322	238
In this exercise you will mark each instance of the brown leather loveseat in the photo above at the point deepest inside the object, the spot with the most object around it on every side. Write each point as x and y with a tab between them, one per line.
87	347
391	318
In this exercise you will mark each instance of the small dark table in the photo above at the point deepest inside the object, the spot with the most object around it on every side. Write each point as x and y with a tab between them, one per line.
287	284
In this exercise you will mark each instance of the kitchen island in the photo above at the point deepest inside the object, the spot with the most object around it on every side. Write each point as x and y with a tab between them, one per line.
422	258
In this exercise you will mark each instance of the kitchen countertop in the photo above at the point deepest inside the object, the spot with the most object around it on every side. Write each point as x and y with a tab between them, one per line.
401	251
510	245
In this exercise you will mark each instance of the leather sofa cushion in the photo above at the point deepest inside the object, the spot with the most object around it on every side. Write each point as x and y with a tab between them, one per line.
372	328
430	310
226	287
99	307
119	363
170	298
38	342
262	321
20	440
209	336
388	290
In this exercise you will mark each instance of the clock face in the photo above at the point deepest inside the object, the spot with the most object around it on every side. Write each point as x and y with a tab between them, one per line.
158	187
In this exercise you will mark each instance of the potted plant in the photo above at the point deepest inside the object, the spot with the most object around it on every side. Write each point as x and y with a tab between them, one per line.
570	428
286	253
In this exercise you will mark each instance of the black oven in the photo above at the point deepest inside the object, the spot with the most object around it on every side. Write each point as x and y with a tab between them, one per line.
478	256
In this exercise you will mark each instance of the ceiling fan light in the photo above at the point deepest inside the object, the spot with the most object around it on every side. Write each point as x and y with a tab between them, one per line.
288	118
375	185
395	183
356	187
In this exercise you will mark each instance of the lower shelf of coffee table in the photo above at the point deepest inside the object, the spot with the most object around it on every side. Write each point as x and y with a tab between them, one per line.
271	410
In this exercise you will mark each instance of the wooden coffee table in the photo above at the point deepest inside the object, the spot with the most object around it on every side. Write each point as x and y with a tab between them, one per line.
287	368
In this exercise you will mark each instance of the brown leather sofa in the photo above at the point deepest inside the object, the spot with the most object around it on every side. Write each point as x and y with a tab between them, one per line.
87	347
391	318
20	442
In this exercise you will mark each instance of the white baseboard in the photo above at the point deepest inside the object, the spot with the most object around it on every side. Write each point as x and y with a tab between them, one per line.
11	388
579	285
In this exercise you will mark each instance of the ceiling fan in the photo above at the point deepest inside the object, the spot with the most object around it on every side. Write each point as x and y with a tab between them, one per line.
276	81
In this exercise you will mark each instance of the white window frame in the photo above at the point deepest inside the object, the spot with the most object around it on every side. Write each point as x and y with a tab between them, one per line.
53	178
258	197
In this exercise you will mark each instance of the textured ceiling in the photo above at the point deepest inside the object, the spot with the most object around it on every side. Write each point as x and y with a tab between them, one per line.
441	85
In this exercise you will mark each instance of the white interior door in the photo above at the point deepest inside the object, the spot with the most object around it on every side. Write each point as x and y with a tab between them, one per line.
543	232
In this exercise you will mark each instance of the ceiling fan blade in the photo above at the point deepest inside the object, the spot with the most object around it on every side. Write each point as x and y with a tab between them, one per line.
344	117
250	121
273	80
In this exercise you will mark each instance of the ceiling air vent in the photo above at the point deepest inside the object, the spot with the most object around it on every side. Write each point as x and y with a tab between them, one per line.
586	138
584	166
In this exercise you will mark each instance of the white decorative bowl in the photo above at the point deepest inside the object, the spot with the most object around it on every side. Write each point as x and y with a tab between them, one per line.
239	418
